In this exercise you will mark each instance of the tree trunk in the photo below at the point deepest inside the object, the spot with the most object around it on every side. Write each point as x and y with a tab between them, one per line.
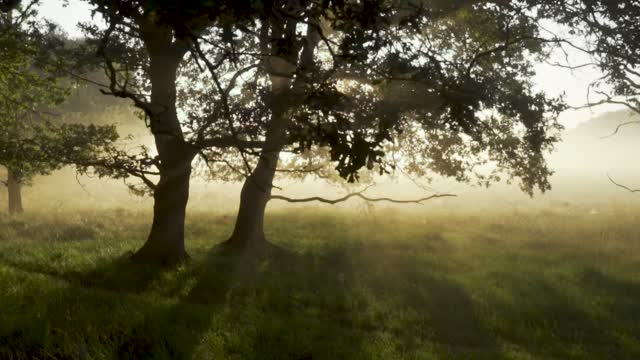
248	232
256	191
15	193
165	244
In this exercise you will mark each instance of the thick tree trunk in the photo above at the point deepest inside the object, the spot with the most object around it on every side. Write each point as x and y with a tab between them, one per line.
165	244
15	193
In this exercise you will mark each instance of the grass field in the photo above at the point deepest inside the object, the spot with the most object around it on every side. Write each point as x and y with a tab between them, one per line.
389	285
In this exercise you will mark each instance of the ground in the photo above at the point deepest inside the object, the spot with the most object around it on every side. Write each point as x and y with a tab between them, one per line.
545	284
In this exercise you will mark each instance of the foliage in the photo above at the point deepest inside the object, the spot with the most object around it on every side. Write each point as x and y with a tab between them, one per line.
454	75
611	34
26	84
32	141
37	148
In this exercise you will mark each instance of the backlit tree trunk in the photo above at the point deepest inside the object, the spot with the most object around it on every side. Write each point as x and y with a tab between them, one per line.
165	244
249	228
15	192
248	232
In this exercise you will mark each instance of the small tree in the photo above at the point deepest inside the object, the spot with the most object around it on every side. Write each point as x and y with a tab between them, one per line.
31	142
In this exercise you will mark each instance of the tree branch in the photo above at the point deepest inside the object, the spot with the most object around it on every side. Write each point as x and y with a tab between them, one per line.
620	126
231	141
622	186
359	194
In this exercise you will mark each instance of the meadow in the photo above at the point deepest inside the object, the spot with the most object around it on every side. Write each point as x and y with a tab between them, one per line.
428	284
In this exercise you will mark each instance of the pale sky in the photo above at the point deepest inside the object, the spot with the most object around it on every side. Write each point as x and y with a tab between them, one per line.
552	80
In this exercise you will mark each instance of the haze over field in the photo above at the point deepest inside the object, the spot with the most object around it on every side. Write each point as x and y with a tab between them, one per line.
581	162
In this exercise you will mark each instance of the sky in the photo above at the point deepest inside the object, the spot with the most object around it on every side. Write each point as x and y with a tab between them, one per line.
552	80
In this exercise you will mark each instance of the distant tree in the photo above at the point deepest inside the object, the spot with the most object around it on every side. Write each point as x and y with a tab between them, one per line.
29	148
31	141
609	33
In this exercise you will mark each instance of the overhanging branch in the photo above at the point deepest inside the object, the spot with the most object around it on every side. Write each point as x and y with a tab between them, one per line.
359	194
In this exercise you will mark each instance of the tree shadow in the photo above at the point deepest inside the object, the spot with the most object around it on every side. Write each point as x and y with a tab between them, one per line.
116	274
326	305
623	305
543	318
356	301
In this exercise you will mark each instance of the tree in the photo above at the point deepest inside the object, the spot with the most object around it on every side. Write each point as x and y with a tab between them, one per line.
31	143
142	48
445	84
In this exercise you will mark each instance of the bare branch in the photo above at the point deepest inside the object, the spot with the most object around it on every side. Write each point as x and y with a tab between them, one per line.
305	170
227	142
620	126
115	88
359	194
608	99
623	186
570	67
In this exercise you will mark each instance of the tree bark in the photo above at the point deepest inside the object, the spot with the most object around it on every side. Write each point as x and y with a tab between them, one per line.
248	232
15	193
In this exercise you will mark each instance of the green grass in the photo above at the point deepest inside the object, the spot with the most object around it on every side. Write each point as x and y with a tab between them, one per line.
391	285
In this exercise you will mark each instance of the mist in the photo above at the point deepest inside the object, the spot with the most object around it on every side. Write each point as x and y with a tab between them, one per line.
583	161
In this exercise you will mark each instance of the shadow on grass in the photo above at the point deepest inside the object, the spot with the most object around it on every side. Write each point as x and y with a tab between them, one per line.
549	320
333	303
368	301
117	275
326	305
624	299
